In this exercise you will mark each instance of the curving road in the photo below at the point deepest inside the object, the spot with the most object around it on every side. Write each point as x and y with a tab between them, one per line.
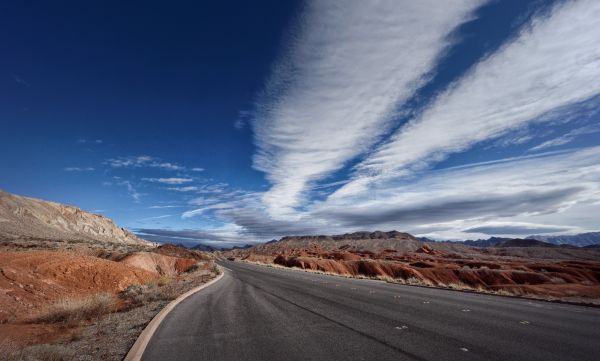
261	313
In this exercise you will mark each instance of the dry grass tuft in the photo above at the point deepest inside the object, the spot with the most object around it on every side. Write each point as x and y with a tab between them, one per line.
73	311
138	295
43	352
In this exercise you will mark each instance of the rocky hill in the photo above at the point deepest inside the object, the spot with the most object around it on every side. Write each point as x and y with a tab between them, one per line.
518	242
359	241
30	218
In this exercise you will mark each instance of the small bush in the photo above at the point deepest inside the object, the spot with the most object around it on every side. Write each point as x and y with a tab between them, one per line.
163	281
72	311
216	269
137	295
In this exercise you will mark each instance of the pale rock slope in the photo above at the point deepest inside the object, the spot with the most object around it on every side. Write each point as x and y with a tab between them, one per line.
24	217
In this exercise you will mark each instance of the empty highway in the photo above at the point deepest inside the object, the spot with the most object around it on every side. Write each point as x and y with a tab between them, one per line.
261	313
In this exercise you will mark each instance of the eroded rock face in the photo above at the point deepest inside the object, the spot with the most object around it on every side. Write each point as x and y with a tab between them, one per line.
22	217
30	280
536	271
159	263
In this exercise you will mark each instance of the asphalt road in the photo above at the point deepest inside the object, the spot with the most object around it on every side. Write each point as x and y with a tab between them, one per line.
262	313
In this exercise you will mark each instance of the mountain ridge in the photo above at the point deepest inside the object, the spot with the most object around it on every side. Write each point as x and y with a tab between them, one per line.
579	240
25	217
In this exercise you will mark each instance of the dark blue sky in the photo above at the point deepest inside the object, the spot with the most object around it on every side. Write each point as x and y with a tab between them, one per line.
168	80
231	119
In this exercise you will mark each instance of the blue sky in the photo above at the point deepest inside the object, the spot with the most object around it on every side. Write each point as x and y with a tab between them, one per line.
241	122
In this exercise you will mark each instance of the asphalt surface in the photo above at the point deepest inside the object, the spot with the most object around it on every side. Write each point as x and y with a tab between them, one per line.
261	313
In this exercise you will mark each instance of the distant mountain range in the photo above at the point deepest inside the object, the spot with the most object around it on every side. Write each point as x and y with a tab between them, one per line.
579	240
207	248
588	240
591	239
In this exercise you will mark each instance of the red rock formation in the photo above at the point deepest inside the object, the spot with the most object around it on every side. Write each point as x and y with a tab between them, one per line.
542	271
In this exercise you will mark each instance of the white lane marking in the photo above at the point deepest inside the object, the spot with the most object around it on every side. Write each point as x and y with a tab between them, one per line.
524	322
227	268
353	288
403	327
466	310
425	302
464	349
396	296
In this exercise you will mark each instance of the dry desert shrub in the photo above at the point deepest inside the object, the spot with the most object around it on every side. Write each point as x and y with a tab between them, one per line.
201	265
138	295
163	281
386	278
216	269
73	311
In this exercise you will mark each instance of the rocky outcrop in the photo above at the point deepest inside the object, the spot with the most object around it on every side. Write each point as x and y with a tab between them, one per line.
31	280
159	263
23	217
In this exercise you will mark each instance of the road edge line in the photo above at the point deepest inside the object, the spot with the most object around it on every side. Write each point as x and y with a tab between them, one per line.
137	350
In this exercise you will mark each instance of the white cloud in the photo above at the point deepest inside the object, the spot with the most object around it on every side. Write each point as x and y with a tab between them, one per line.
200	211
133	193
142	161
334	92
157	217
168	180
203	201
79	169
552	64
163	207
515	195
89	141
530	189
212	188
511	228
568	137
197	169
184	189
20	80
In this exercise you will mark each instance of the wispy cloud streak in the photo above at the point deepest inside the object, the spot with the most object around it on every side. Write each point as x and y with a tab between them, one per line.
168	180
142	161
333	93
552	64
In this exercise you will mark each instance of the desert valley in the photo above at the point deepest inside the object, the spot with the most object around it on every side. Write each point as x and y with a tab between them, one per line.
300	180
